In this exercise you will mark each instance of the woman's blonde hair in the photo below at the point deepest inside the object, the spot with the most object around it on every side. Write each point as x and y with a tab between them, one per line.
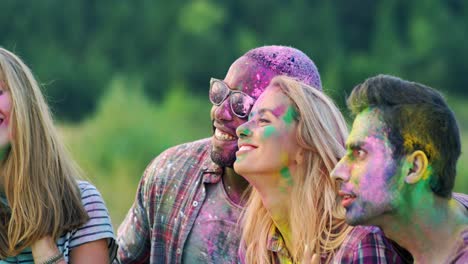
37	174
315	219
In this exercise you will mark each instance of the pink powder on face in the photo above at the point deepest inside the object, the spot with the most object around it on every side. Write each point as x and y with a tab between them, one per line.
280	110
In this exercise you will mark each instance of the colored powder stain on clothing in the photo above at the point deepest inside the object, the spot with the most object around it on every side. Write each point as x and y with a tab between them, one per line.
214	237
290	115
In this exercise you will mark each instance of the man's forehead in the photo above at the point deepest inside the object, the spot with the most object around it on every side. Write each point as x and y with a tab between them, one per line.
248	76
367	124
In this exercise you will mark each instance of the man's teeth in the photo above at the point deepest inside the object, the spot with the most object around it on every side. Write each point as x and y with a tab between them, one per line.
223	136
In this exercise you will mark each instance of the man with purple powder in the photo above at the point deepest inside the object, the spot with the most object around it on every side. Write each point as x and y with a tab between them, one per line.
189	198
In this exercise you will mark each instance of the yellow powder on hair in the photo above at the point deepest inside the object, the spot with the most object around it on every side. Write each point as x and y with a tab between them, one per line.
410	141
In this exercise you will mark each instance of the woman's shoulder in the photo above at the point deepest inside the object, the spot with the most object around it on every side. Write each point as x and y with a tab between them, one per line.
99	225
99	220
86	187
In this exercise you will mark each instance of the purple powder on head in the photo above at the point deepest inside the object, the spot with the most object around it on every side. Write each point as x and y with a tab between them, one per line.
287	61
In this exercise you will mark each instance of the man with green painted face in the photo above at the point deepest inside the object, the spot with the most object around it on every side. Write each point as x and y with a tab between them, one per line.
189	199
399	169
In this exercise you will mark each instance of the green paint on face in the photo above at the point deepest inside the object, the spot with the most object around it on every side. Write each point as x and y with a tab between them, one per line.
290	115
4	151
239	159
286	174
247	131
269	130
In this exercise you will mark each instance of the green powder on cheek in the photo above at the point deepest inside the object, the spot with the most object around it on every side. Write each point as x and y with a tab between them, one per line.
269	130
290	115
239	159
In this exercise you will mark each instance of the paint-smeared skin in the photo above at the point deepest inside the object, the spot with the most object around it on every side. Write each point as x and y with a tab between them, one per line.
251	74
368	168
289	63
214	237
272	130
251	78
290	115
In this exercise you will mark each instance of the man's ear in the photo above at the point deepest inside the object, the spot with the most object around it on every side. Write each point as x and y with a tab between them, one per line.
417	166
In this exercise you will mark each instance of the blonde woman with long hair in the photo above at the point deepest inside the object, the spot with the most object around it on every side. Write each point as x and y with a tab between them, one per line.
293	139
46	214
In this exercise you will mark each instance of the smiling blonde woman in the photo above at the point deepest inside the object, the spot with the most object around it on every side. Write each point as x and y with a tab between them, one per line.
47	214
293	139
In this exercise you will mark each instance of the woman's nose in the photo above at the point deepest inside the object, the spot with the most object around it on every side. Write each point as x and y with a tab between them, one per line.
243	130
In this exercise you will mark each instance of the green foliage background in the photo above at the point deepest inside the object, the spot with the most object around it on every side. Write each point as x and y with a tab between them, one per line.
128	79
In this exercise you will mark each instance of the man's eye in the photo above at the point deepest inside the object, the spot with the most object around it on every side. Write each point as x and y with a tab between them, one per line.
358	153
263	120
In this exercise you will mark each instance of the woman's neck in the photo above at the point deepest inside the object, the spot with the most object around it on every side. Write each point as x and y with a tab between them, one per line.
275	193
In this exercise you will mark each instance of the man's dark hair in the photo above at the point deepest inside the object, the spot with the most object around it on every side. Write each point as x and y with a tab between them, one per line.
418	118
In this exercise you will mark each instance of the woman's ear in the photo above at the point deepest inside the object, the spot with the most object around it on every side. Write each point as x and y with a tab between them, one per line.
300	156
417	167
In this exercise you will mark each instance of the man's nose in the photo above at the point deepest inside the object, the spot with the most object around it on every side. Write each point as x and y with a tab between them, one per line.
341	171
223	111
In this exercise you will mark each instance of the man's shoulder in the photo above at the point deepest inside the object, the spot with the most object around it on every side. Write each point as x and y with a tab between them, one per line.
359	232
369	242
179	162
367	237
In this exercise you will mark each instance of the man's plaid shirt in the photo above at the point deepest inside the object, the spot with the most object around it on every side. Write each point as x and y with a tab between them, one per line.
168	199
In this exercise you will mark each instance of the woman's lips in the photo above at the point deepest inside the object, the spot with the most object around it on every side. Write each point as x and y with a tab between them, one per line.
243	148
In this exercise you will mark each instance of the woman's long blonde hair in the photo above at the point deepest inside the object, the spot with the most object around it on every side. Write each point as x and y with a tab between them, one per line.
37	174
315	218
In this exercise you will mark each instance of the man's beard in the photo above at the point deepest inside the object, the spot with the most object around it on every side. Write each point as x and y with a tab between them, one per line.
223	159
